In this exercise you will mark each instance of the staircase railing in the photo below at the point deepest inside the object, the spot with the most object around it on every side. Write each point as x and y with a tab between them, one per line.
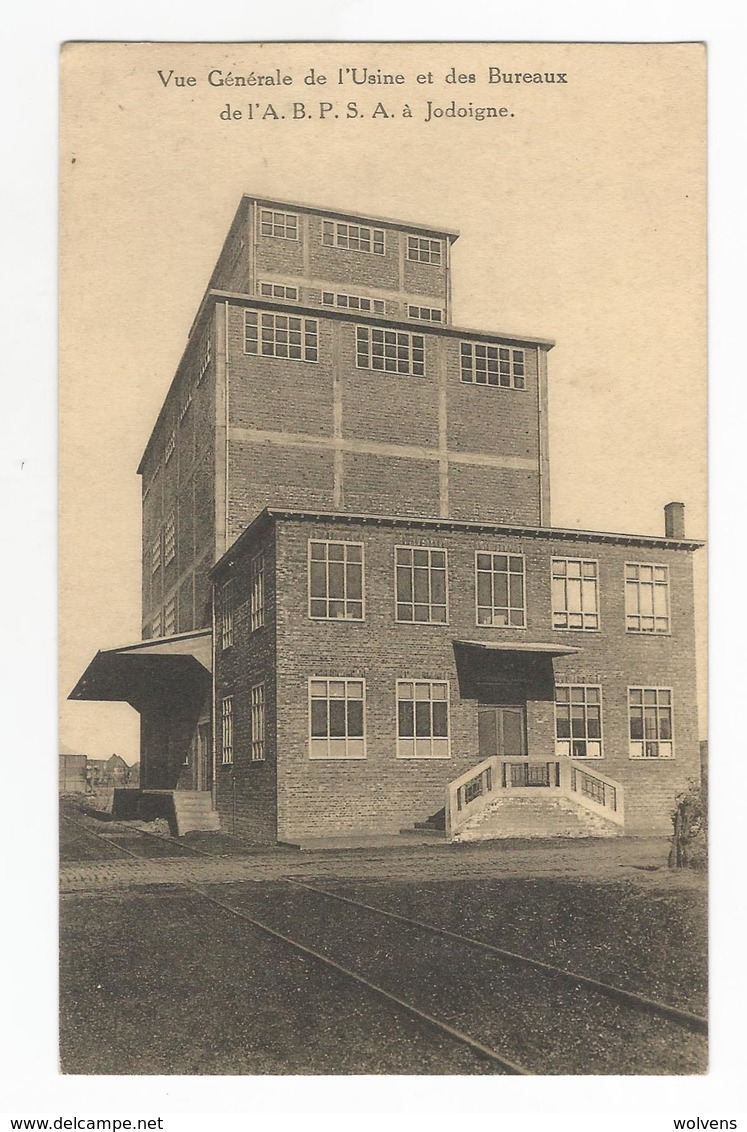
471	793
596	792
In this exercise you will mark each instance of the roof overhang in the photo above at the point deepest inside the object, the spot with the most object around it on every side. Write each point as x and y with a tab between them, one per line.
137	673
538	648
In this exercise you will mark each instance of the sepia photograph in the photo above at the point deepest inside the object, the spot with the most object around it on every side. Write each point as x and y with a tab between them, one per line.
383	737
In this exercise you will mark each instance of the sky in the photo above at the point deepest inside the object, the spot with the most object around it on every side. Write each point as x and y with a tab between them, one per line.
581	216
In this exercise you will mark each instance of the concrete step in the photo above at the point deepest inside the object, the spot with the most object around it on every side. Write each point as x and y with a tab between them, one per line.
194	813
527	817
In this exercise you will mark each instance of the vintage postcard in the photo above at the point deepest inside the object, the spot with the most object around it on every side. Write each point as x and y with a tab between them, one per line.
382	559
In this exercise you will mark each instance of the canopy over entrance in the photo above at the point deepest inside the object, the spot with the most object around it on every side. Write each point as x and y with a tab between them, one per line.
507	671
137	674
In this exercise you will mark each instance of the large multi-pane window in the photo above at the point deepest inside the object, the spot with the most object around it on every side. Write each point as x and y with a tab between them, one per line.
337	718
353	237
281	336
226	614
156	625
421	584
422	719
277	291
281	224
226	729
393	351
646	598
425	314
257	592
257	750
578	720
424	250
500	589
352	302
575	593
650	716
493	365
336	580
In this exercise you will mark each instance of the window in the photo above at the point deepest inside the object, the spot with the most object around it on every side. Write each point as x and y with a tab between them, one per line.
425	314
278	291
284	225
336	580
155	553
493	365
156	625
169	539
204	359
258	723
422	719
421	584
257	592
578	721
226	615
393	351
424	250
575	594
500	589
170	446
352	302
226	732
650	714
646	598
336	710
352	237
186	403
281	336
169	617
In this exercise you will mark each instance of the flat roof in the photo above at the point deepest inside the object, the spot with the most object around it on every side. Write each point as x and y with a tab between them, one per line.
122	674
522	646
410	325
565	534
452	234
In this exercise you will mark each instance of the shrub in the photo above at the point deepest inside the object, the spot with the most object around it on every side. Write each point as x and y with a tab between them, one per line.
690	834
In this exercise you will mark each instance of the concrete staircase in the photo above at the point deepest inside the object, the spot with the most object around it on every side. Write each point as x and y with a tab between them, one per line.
525	816
193	812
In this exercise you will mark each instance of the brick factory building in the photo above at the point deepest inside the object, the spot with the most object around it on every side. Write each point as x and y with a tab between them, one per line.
356	614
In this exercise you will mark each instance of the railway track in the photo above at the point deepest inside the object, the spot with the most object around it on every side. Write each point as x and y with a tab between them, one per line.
540	989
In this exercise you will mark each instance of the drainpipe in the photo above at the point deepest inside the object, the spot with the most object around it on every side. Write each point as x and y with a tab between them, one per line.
214	707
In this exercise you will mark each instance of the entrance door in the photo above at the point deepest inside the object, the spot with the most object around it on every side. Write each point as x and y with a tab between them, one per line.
203	756
501	731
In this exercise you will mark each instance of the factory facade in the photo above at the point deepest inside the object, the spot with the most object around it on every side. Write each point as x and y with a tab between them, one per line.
352	593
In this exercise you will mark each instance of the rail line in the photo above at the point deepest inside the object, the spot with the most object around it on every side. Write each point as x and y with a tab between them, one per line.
640	1003
484	1051
631	998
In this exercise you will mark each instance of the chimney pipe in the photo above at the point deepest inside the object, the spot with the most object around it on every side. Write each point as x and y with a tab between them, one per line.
674	520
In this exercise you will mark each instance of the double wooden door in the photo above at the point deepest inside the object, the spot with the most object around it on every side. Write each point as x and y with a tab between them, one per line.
501	730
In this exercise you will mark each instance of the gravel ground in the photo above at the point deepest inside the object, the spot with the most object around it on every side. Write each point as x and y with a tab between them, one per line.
159	982
649	941
547	1024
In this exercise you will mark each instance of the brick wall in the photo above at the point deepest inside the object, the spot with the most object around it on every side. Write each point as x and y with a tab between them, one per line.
246	789
490	434
382	485
493	495
384	793
248	255
178	479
